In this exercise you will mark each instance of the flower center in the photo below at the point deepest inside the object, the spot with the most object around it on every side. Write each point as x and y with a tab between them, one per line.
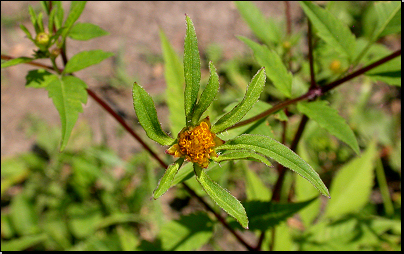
197	143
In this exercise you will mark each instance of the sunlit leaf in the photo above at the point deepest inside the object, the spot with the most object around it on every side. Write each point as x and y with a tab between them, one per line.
85	59
192	70
222	197
167	179
282	154
147	115
252	94
67	93
86	31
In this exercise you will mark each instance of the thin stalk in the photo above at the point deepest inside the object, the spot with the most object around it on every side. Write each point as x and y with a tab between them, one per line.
311	94
152	153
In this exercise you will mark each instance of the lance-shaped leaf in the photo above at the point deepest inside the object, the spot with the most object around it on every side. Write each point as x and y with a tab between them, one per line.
329	119
174	75
265	29
147	115
192	70
274	67
167	179
241	154
282	154
67	93
76	8
86	31
352	185
388	18
252	94
330	29
208	94
222	197
16	61
85	59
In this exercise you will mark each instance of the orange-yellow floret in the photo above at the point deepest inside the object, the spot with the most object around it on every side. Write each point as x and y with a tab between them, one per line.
196	144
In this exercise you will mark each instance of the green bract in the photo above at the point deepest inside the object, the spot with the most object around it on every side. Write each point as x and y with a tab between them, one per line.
197	141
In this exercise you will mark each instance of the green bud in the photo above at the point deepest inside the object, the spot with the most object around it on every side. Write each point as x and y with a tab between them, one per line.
42	38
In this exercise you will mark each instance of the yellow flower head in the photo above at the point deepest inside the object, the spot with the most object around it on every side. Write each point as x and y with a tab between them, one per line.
196	144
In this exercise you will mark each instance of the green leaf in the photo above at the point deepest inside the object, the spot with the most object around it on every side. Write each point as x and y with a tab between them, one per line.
39	78
241	154
282	154
330	29
222	197
147	115
67	93
255	189
190	232
167	179
274	67
29	36
208	94
265	29
264	215
258	127
23	243
76	8
388	18
23	215
192	70
16	61
389	72
86	31
174	75
351	187
85	59
329	119
252	94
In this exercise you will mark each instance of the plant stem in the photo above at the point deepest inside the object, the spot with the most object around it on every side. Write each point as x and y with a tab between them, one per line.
315	92
153	154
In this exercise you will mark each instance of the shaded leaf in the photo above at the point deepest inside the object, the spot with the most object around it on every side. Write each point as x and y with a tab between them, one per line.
39	78
330	29
85	59
67	93
279	152
389	72
192	70
329	119
252	94
190	232
23	243
147	115
255	188
351	187
167	179
222	197
264	215
274	67
388	18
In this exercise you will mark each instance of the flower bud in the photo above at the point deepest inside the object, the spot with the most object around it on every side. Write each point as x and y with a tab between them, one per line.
335	66
42	38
